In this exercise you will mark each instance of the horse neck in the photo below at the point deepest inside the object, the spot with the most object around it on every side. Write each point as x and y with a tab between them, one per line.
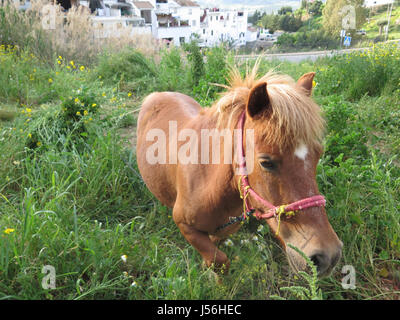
226	173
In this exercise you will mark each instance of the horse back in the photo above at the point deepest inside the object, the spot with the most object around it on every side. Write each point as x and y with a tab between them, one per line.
157	111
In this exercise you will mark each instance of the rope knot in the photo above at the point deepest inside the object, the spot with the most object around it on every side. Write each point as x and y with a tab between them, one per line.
279	211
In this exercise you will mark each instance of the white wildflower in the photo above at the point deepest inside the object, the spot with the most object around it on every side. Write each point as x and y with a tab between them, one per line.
228	243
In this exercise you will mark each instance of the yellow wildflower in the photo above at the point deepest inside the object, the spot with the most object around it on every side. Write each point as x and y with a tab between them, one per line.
85	113
78	113
81	68
129	94
94	105
103	94
30	135
9	230
50	80
76	100
38	143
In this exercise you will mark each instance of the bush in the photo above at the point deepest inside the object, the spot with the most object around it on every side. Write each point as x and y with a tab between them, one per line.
27	81
314	39
127	66
217	64
171	72
347	136
196	62
362	72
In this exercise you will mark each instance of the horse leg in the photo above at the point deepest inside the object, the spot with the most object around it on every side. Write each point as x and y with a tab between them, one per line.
212	256
215	239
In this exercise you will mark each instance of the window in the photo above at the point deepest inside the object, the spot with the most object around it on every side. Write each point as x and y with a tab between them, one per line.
204	31
193	23
181	40
212	32
190	11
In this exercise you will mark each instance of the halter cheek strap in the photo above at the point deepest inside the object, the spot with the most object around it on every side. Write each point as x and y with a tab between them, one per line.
247	192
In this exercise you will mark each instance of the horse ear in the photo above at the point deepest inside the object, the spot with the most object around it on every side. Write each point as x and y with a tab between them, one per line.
306	82
258	99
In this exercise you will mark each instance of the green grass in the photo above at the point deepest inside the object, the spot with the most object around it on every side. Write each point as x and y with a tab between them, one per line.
76	200
372	29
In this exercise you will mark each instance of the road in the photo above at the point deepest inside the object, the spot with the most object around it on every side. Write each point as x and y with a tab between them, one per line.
300	56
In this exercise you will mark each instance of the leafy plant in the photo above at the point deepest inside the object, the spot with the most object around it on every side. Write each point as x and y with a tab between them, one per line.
312	292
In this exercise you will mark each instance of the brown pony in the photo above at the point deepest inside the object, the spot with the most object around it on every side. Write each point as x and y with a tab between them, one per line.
287	130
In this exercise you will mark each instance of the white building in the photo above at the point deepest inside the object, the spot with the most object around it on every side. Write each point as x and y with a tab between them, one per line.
223	25
177	20
145	10
173	21
113	16
252	34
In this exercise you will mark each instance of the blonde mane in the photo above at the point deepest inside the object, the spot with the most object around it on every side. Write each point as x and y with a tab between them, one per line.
295	117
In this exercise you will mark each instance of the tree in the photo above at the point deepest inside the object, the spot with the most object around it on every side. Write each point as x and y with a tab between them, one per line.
336	13
285	10
315	8
289	23
381	23
253	19
196	61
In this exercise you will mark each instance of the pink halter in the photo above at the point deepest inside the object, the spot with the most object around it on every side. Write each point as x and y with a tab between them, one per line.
246	191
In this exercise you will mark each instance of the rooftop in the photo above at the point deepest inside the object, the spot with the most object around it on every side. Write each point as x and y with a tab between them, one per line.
143	5
187	3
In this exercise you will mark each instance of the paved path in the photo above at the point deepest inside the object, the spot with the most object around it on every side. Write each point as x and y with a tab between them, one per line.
300	56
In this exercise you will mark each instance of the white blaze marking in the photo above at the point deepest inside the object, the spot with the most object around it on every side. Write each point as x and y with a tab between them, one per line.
301	152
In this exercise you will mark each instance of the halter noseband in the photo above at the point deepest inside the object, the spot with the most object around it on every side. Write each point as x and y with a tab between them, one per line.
246	191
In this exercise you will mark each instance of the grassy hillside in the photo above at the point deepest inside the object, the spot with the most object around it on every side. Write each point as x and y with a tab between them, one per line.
372	28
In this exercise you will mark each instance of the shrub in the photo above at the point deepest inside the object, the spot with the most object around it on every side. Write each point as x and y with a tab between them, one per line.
127	66
217	64
26	80
171	72
362	72
196	62
307	40
346	136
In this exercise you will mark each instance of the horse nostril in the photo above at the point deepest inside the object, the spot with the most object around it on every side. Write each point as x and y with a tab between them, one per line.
336	258
320	260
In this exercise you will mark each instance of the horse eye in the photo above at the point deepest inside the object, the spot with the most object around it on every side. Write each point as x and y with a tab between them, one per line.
269	165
